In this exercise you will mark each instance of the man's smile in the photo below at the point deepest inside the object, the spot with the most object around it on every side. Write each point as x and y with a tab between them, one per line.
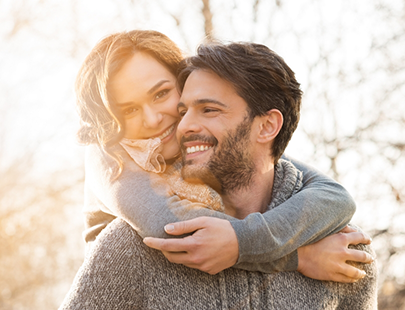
197	145
195	149
198	148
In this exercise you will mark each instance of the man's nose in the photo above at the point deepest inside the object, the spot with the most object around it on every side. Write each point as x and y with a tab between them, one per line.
151	118
188	125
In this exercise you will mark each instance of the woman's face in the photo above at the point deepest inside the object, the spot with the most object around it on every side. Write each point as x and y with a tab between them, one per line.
145	92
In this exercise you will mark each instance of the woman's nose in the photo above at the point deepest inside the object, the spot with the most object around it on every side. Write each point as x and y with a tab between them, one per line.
151	118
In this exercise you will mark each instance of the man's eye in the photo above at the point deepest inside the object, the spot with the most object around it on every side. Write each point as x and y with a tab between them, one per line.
209	110
182	113
129	111
161	94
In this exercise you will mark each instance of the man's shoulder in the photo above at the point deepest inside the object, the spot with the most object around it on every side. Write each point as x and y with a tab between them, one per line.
119	240
116	242
111	275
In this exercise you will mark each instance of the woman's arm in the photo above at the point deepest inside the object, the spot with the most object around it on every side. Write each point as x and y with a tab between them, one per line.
146	202
268	242
321	208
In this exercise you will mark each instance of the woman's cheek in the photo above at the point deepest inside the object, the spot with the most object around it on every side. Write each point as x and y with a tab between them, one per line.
132	128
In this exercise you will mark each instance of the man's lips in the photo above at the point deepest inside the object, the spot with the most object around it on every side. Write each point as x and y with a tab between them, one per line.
197	143
197	148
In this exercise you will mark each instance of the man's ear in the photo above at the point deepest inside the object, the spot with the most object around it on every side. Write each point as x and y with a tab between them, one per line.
270	126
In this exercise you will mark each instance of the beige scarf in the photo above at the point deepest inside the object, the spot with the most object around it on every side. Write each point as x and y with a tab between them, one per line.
146	153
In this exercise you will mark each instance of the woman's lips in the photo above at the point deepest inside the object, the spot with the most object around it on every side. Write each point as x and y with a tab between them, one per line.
168	132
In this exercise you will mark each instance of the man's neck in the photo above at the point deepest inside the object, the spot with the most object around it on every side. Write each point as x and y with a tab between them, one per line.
255	198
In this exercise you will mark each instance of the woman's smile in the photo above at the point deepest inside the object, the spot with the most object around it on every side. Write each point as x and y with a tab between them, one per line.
167	134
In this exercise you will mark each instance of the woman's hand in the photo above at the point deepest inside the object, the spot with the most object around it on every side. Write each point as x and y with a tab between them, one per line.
327	258
212	247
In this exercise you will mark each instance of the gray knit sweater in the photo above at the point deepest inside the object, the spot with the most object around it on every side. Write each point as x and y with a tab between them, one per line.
120	272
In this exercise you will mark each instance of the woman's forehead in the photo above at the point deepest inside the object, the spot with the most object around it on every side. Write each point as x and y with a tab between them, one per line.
139	76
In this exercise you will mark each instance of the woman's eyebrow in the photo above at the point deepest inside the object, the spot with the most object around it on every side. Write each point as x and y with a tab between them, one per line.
157	85
124	104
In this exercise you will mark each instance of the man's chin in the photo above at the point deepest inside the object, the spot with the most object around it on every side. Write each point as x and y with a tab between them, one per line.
200	174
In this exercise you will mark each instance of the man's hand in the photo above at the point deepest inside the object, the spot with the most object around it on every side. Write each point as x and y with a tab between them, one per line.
212	247
326	259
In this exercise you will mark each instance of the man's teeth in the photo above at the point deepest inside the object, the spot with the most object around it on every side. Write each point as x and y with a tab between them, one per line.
198	148
166	133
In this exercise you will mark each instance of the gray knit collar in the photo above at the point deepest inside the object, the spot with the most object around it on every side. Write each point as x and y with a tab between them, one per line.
287	182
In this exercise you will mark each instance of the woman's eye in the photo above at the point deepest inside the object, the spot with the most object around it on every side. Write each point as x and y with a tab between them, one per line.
130	111
161	94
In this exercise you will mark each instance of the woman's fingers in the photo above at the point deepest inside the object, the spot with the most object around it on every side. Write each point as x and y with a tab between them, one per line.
355	238
169	245
359	256
348	229
352	272
186	227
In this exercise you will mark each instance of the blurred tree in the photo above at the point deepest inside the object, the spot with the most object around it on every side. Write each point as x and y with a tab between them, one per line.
40	236
41	184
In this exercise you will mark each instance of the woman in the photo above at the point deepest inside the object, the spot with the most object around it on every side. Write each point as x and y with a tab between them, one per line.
127	100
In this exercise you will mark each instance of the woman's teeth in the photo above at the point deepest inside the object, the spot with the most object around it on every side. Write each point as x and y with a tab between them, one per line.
198	148
166	133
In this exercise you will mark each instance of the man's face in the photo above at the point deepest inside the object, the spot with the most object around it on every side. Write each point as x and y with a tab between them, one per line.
214	133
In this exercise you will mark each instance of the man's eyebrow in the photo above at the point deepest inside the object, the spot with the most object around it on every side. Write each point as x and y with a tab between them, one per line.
180	105
149	92
202	101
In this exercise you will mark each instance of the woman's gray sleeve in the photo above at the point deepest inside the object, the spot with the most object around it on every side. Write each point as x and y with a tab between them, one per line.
269	241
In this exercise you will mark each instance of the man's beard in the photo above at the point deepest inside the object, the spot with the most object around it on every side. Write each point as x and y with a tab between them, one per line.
230	167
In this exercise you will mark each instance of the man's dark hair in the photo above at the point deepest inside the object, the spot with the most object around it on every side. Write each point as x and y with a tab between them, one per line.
259	76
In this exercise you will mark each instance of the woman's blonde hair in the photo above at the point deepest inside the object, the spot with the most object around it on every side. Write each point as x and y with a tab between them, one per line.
100	121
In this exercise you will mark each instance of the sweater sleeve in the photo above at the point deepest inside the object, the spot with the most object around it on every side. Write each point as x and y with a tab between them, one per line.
321	208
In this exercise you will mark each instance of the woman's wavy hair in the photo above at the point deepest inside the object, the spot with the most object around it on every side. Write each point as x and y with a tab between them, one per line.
100	120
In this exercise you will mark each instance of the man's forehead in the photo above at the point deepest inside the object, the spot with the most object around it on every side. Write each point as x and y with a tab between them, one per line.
204	84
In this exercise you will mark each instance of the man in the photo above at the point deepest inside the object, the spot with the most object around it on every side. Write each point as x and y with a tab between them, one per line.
240	106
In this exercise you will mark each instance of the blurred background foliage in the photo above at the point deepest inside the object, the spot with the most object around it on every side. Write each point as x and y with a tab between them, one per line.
348	55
